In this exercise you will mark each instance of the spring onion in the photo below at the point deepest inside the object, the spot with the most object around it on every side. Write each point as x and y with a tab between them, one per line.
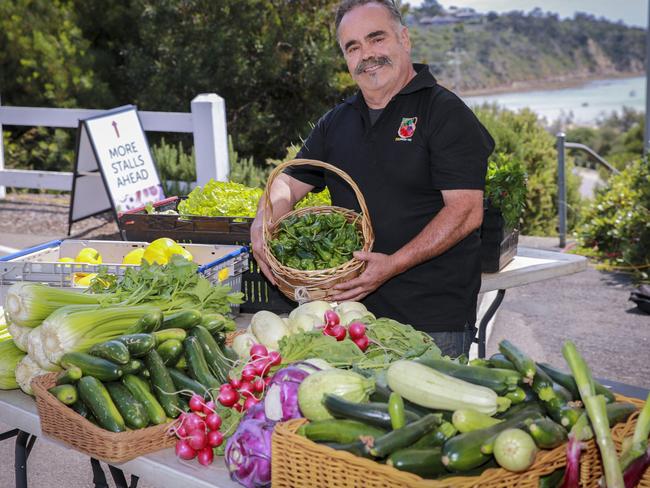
79	327
28	304
26	370
10	355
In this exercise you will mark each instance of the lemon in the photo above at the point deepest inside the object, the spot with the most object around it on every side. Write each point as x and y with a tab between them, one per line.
82	279
155	255
66	260
178	249
134	257
89	255
163	243
223	274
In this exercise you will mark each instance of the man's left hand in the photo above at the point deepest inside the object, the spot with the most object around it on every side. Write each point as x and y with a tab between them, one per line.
379	269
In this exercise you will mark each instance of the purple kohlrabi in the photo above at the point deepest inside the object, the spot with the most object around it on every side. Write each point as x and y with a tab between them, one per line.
248	453
281	399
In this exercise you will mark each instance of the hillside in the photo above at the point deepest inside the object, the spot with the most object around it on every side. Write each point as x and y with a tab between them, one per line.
516	49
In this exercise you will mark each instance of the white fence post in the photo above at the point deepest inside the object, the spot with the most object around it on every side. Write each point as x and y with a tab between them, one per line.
210	138
3	190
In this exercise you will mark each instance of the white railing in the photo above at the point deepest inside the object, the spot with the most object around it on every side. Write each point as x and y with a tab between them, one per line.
207	121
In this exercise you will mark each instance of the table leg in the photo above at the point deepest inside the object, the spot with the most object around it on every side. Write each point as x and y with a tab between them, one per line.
120	480
482	328
24	444
9	434
99	478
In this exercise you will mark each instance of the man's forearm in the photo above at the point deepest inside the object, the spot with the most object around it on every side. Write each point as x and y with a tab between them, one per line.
283	199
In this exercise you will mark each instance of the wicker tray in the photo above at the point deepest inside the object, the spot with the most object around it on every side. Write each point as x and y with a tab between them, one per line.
298	461
63	423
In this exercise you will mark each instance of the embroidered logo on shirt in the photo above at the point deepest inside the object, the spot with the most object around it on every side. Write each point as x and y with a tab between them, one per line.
406	129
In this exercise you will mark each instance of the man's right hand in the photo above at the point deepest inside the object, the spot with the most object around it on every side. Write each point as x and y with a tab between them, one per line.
257	239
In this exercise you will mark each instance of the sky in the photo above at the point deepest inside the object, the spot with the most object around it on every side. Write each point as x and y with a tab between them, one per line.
631	12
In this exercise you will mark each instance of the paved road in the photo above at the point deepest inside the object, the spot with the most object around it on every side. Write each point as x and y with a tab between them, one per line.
589	181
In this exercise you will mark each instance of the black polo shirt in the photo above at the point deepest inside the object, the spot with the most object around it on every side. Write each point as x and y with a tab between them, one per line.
424	141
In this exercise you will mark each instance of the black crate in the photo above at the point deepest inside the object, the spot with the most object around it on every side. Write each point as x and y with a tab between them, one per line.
137	225
498	243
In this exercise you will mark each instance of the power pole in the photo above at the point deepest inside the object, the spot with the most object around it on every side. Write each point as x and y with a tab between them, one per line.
646	142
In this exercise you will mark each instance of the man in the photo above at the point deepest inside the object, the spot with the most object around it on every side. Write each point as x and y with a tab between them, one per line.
419	156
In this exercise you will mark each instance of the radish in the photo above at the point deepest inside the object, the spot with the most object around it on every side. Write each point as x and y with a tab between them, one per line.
193	421
234	382
362	342
250	401
213	421
258	385
274	358
184	451
205	456
246	390
239	407
331	318
196	403
228	397
356	330
197	439
228	386
339	332
215	438
181	431
259	351
209	407
249	372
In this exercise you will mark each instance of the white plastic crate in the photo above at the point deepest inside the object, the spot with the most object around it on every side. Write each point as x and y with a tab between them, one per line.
218	263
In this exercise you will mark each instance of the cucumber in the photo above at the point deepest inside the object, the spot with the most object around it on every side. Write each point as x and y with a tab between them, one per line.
185	383
149	322
184	319
100	368
426	463
339	430
563	413
141	392
530	407
396	411
161	336
522	362
138	344
170	351
97	399
404	437
163	386
546	389
66	394
373	413
382	395
181	364
198	367
229	353
215	322
568	382
81	408
358	448
552	480
113	351
467	420
546	433
213	355
499	380
518	395
69	376
498	360
134	366
133	412
464	452
438	437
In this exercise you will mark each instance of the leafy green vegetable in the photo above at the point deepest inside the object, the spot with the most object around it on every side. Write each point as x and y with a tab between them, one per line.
315	344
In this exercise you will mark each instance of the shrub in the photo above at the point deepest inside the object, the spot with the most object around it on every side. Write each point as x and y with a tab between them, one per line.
505	187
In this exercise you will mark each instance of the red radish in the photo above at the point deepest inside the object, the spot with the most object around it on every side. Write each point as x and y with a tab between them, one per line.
258	351
197	439
262	366
196	403
250	401
339	332
249	373
184	451
331	318
181	431
356	330
209	407
246	390
215	438
205	456
234	382
192	422
228	397
362	342
227	386
213	421
239	407
329	331
258	385
267	380
274	358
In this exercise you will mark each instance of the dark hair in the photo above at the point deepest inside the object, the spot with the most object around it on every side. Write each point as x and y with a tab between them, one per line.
346	5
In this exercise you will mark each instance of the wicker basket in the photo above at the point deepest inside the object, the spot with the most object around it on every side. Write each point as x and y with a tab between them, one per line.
63	423
299	462
303	285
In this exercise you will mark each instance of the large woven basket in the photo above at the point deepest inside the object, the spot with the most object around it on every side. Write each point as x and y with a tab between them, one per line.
298	462
63	423
305	285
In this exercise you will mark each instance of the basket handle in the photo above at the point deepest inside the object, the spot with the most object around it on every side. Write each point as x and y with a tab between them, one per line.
310	162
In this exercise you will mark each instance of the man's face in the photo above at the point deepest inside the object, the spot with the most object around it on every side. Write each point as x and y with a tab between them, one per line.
376	47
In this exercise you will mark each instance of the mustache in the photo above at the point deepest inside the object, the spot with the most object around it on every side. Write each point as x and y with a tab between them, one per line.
366	63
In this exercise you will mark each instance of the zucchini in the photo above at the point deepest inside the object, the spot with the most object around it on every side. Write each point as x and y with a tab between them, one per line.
161	336
149	322
518	395
97	399
619	412
404	437
163	386
382	395
358	448
341	431
213	355
499	380
546	433
184	319
568	382
396	411
81	408
182	363
429	388
563	413
69	376
197	364
133	412
480	362
113	350
186	384
498	360
134	366
141	392
373	413
438	437
100	368
467	420
546	389
170	351
552	480
530	407
66	394
138	344
466	451
522	362
426	463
